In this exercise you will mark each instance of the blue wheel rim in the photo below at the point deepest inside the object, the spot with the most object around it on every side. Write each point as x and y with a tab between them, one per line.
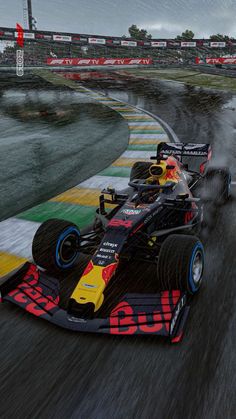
68	233
193	284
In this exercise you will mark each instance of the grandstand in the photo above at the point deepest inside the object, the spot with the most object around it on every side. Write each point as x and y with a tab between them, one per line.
41	45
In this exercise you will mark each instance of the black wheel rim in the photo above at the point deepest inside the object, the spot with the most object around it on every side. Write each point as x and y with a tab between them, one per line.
69	248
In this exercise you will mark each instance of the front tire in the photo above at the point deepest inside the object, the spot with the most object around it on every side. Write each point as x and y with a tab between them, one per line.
56	245
181	263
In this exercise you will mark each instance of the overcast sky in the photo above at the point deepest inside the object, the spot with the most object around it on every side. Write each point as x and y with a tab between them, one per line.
162	18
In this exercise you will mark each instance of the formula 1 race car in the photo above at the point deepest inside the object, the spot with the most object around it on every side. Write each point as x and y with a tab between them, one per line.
157	222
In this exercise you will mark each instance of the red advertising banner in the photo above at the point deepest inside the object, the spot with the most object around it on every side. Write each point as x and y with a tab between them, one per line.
221	60
98	61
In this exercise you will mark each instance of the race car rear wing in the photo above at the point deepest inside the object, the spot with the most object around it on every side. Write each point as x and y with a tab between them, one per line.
184	150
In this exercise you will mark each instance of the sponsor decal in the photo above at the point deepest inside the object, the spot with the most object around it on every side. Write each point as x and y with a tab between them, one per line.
122	321
53	61
221	60
113	61
43	36
64	38
7	33
186	152
30	295
88	61
173	44
140	61
76	319
217	44
102	249
89	285
100	41
99	255
115	222
131	211
159	44
129	43
178	309
101	263
26	35
126	319
191	44
98	61
113	245
149	218
20	62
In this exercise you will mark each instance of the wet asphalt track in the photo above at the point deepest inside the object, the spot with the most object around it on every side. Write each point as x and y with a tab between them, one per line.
46	372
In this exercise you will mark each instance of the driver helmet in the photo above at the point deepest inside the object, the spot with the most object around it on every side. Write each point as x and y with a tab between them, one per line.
158	170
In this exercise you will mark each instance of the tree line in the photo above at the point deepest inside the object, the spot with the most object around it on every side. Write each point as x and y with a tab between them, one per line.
142	34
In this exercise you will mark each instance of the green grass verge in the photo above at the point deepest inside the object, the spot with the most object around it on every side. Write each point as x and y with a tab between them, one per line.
193	78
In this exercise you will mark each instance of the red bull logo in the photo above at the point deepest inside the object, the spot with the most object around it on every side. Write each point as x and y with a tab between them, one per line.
172	174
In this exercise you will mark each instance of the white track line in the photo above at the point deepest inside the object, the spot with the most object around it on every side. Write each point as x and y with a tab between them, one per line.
137	154
100	182
156	136
155	124
16	237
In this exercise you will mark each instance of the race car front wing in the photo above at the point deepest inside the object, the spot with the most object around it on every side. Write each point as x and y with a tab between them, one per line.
164	313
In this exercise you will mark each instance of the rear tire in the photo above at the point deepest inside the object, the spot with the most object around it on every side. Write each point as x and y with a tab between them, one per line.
56	245
181	263
217	185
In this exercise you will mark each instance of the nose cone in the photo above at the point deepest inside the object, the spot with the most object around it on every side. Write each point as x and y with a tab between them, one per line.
82	311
